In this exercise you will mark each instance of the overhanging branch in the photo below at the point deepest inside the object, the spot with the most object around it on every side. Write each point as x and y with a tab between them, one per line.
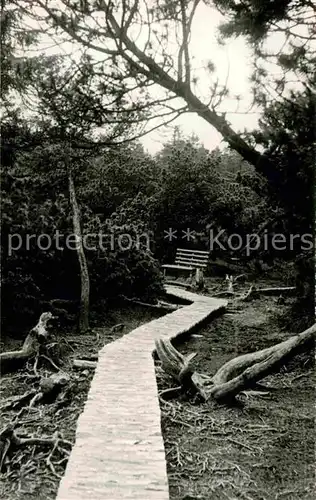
141	63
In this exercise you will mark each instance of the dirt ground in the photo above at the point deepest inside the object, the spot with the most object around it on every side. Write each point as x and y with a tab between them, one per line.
261	449
31	472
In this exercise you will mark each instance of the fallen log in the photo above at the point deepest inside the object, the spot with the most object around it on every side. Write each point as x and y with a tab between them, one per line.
82	364
236	375
90	357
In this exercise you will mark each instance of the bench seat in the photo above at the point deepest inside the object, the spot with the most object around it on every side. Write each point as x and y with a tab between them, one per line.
188	260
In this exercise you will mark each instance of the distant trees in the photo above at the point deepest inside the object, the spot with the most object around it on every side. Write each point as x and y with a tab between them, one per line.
121	68
36	207
281	34
108	85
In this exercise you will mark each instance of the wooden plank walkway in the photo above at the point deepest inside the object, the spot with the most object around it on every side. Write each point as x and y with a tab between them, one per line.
119	451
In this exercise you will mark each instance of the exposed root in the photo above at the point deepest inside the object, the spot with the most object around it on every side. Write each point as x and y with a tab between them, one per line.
10	442
35	365
235	376
36	338
35	400
170	393
50	361
16	401
249	294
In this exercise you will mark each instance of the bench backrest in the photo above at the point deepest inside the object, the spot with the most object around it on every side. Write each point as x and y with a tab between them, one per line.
194	258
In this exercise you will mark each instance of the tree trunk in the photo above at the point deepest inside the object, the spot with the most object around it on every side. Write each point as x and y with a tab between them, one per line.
12	360
84	273
147	66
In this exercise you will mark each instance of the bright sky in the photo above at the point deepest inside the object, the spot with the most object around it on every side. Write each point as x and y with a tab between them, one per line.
235	60
232	66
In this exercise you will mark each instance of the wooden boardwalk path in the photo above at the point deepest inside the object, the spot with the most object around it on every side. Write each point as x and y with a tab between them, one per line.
119	451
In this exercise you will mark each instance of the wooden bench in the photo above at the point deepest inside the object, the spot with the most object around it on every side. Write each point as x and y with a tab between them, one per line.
188	260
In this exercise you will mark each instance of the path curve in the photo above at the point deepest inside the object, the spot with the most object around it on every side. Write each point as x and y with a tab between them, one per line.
119	452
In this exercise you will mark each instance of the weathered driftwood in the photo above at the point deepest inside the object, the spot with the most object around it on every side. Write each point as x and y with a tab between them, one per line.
174	363
11	360
255	292
252	292
83	364
237	375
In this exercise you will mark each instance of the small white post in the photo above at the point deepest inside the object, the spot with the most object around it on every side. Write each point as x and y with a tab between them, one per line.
230	281
199	278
